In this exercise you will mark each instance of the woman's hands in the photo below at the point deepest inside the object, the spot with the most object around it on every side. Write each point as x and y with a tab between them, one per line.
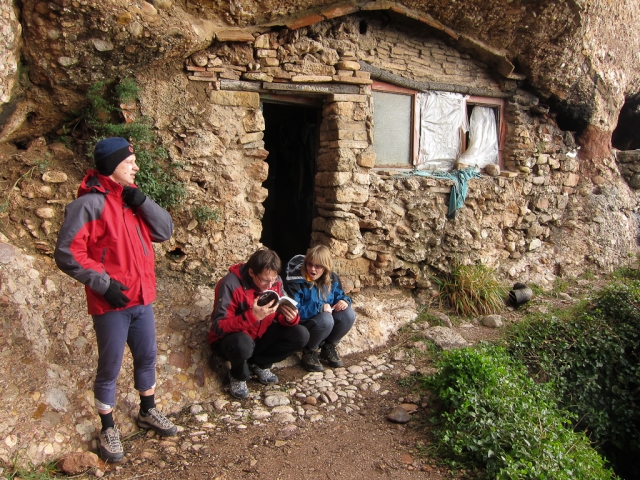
327	308
338	307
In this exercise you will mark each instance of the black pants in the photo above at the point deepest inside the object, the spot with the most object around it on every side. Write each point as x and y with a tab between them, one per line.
275	345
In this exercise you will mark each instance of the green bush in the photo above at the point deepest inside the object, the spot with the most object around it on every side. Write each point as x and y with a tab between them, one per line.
494	415
157	181
204	214
472	290
593	361
156	177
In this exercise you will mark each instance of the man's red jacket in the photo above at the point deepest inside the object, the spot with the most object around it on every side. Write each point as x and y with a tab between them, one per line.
103	238
235	294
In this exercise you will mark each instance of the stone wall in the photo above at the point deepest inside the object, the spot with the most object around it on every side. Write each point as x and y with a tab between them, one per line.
385	227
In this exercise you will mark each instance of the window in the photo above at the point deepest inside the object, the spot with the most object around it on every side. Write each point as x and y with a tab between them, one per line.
435	130
483	142
394	134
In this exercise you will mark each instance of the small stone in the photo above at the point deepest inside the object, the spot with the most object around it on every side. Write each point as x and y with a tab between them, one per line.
409	407
284	418
220	403
102	45
276	400
54	176
493	321
399	415
196	409
98	473
202	418
310	401
355	369
79	462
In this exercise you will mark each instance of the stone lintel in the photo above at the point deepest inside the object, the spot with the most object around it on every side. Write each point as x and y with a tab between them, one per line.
240	85
328	88
385	76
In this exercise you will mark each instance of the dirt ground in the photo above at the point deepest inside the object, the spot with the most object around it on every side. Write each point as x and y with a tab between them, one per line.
357	445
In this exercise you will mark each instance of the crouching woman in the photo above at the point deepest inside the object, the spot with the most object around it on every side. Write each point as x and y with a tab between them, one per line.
325	310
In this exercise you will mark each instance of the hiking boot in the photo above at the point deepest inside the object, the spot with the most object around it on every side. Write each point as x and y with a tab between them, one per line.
155	420
110	445
265	375
238	388
310	360
330	354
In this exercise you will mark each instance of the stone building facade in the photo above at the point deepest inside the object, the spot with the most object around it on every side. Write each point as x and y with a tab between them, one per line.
385	226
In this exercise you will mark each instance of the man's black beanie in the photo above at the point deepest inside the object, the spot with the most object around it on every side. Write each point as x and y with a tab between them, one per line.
109	152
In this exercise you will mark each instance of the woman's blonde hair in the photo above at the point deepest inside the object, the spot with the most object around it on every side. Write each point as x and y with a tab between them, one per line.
320	255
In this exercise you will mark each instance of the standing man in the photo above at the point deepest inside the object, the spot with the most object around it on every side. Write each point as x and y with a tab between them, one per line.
251	336
105	243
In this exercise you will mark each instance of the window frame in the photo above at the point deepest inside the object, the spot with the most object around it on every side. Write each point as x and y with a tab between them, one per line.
501	126
415	122
494	102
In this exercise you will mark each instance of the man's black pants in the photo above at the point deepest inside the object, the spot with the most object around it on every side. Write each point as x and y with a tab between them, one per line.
275	345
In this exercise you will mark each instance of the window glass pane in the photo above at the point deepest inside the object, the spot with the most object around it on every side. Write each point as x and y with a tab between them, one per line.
392	128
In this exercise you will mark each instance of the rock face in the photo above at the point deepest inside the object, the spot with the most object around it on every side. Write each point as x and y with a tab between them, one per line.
558	203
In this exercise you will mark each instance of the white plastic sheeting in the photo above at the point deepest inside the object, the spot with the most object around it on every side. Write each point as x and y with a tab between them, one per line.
442	116
483	138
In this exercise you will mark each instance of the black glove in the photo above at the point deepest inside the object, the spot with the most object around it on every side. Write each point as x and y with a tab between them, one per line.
114	294
133	196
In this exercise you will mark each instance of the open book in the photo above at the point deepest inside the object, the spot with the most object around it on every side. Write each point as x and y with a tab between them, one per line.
269	296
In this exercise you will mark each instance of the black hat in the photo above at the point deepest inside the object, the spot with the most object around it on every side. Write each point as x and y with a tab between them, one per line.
109	152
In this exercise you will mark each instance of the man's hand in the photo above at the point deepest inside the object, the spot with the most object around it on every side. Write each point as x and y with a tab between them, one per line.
288	312
261	312
133	196
114	294
341	305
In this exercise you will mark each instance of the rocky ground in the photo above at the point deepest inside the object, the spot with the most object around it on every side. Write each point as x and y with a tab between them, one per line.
369	419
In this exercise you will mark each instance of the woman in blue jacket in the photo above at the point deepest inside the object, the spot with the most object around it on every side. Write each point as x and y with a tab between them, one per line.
324	308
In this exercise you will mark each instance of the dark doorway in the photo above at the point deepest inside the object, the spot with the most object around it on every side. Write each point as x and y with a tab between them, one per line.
290	137
626	136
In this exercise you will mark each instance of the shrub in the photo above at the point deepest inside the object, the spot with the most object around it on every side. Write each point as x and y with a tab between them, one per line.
494	415
204	214
592	359
472	290
156	177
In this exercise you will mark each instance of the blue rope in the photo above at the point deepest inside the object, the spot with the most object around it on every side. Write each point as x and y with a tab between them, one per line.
460	179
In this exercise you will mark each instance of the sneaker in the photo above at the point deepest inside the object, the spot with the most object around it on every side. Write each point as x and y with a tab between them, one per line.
265	375
110	445
330	354
238	388
155	420
310	361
